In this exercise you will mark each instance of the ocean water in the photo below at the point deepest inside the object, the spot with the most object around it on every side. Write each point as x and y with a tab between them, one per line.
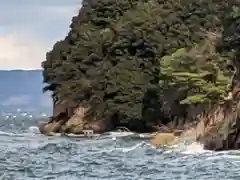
27	155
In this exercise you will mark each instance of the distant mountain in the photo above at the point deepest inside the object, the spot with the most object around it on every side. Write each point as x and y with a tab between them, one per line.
23	89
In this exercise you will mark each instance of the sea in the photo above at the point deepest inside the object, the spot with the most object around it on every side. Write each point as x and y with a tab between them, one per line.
25	154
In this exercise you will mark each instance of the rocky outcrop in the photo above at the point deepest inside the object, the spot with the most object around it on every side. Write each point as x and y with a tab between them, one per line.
80	121
219	129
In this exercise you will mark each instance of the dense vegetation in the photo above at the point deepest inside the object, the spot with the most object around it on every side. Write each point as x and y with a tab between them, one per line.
133	60
230	40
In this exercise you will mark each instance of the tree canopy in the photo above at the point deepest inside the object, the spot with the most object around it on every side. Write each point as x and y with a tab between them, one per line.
122	57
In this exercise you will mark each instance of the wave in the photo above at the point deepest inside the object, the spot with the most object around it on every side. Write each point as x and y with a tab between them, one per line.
34	130
3	133
183	146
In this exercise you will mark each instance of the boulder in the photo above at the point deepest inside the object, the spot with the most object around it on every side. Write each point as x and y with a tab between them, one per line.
50	128
162	139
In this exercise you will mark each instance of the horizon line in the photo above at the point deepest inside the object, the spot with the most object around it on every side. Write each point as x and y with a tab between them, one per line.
18	69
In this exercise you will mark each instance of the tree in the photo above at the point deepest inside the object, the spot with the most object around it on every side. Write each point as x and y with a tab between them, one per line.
117	51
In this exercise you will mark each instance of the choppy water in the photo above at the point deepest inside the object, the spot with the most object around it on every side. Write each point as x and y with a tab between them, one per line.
27	155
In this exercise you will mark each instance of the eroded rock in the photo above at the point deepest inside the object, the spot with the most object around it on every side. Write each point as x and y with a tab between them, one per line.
220	129
80	121
76	123
50	128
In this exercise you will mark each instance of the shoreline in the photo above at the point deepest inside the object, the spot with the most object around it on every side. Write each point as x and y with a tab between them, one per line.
205	128
172	63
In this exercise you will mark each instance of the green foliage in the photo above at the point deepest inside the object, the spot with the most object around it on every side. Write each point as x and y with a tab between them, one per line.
199	70
235	12
230	41
195	99
110	57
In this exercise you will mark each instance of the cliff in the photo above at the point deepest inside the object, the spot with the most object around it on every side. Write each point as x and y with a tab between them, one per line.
142	64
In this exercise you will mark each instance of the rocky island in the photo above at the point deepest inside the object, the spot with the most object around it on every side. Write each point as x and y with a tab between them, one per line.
145	65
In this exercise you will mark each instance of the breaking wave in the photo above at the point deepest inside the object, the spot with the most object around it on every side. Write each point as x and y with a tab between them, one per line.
26	154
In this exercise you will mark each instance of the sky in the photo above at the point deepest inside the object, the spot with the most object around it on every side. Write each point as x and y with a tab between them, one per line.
29	28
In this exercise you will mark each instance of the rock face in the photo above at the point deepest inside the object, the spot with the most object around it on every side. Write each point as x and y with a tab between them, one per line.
220	129
80	121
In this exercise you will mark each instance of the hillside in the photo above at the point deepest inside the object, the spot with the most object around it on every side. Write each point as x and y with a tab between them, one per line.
143	64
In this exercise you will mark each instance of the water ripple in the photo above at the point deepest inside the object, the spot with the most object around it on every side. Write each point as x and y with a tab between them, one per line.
31	156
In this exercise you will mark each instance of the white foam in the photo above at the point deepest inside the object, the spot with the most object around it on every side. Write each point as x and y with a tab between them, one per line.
194	148
225	156
34	130
121	134
132	148
6	133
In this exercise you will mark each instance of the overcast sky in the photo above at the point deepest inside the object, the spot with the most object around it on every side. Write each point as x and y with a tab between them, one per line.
29	28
